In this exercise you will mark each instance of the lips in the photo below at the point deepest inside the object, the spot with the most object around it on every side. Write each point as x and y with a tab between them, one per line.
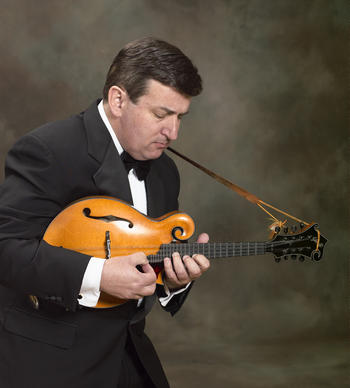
161	144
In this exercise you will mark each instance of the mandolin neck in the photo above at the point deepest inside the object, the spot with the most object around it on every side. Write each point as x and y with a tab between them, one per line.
211	250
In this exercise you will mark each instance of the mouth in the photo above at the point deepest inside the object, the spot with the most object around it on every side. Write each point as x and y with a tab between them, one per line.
161	145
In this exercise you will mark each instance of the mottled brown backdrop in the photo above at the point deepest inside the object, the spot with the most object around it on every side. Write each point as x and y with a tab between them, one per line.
272	118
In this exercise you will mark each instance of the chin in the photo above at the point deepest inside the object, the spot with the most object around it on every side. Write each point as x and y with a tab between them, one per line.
155	154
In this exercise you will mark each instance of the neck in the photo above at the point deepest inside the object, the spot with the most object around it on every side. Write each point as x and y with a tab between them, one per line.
112	124
111	118
212	250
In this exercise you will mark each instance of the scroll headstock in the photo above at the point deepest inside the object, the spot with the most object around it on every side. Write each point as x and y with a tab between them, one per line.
309	243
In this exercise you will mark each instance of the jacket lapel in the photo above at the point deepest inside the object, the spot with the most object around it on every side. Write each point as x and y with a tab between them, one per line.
111	177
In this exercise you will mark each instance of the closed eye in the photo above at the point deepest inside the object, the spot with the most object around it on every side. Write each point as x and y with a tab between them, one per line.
159	116
167	112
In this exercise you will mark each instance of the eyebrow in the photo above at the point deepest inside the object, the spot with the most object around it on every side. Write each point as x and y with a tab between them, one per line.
170	112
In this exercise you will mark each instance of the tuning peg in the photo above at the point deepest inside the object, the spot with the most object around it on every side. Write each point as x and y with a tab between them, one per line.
294	229
285	229
294	257
301	258
301	225
277	229
277	259
285	257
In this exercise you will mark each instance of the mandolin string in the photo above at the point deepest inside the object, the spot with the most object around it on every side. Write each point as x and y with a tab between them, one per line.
212	250
217	246
193	247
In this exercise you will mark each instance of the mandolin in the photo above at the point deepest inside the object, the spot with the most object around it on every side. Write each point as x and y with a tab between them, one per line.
105	227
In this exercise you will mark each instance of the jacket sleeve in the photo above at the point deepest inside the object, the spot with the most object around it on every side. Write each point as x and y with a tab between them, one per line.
29	200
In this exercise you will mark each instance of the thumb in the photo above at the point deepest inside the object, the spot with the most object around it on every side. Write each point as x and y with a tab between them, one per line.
138	258
149	273
147	268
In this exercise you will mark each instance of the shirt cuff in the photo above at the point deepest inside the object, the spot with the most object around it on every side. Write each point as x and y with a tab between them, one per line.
90	286
169	294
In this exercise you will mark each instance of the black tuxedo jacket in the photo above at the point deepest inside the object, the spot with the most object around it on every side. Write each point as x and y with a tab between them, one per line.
62	344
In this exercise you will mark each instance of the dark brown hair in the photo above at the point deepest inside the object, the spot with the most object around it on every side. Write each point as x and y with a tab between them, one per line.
150	58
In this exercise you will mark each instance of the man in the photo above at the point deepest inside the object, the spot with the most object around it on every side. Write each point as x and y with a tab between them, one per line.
51	335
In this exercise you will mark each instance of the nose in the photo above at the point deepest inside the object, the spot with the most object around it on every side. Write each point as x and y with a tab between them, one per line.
171	127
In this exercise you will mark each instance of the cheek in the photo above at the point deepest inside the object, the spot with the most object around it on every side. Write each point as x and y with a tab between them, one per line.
142	129
147	129
135	128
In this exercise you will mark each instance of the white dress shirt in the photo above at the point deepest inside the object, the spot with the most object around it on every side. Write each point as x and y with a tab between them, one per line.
90	287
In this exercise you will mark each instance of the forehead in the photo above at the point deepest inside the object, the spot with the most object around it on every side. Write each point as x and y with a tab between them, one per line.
159	95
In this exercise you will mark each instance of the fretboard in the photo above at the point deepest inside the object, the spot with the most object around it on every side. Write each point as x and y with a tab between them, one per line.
211	250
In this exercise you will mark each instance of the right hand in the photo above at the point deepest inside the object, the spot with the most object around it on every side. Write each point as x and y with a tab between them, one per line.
122	279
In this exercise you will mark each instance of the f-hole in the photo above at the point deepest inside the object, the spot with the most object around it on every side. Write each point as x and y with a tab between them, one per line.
107	218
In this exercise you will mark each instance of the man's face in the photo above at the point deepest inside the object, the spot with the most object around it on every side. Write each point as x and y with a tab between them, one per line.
147	127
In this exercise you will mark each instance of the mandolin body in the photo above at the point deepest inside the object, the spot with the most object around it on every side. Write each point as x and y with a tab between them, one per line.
105	227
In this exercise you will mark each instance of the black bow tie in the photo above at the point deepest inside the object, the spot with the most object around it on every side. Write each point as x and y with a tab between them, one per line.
141	167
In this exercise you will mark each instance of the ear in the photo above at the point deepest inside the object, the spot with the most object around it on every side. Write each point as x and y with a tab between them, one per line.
117	99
